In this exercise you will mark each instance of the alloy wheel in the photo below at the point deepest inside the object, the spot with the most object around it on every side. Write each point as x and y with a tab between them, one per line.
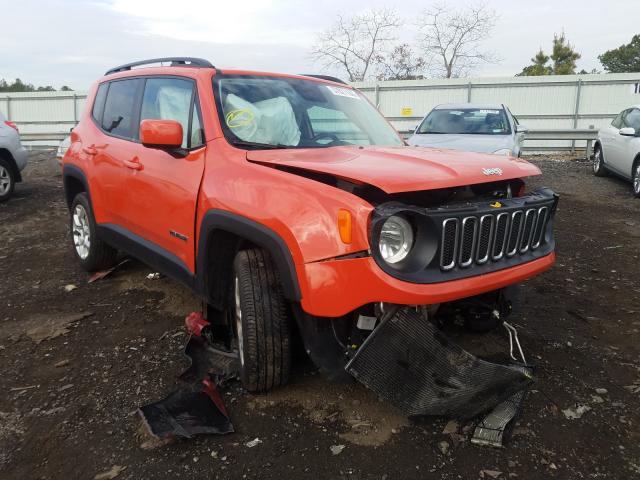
597	160
636	180
5	180
81	232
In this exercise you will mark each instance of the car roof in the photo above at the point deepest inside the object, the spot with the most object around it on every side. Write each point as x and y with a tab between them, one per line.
195	71
482	106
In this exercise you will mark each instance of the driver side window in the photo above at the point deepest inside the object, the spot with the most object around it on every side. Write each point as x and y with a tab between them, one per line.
617	122
632	119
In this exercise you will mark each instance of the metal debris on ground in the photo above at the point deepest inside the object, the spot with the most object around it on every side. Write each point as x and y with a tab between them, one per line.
110	474
577	412
153	276
103	273
253	443
336	449
410	363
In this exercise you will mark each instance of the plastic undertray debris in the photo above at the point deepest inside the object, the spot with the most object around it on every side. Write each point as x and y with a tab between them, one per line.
196	407
185	413
410	363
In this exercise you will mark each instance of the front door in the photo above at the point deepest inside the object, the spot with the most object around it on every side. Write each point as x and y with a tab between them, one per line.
162	186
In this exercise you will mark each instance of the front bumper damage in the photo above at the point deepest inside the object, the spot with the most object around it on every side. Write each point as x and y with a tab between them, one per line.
410	363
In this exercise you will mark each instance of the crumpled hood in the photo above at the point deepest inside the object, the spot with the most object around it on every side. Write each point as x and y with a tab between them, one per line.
399	169
469	143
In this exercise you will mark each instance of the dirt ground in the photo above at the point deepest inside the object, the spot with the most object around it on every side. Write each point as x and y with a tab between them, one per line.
77	364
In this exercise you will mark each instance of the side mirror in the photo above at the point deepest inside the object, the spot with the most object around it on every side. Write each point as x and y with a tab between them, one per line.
521	129
628	131
161	133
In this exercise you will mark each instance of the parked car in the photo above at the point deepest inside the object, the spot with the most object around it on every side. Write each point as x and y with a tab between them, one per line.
13	158
617	149
287	200
63	146
471	127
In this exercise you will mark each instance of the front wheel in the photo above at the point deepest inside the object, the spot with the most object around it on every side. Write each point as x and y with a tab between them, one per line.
262	322
92	252
599	169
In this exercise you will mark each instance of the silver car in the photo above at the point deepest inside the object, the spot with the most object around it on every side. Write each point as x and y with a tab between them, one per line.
472	127
617	149
13	158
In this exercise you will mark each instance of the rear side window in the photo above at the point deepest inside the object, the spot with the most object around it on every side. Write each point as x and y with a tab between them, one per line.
169	99
120	115
98	104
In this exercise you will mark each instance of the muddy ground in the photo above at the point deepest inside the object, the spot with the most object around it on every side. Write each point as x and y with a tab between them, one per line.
75	365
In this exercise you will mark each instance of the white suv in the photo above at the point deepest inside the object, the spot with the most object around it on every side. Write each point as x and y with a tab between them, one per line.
617	149
13	158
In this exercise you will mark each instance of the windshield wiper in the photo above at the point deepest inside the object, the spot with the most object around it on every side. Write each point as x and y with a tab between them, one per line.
260	146
432	133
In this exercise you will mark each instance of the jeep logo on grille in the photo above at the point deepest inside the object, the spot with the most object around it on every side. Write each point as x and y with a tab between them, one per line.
492	171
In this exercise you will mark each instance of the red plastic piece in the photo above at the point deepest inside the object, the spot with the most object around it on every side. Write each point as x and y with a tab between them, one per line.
195	323
211	390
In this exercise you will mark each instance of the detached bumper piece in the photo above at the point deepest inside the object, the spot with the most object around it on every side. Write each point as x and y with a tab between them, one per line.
186	413
410	363
196	408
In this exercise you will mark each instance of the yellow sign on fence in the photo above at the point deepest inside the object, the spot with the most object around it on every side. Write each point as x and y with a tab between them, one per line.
406	111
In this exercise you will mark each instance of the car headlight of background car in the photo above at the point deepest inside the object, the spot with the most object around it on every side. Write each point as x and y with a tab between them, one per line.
503	151
396	239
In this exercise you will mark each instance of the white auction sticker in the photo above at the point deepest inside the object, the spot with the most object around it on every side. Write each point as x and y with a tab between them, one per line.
343	92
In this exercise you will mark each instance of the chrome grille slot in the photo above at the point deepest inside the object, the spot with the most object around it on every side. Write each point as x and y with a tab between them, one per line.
468	241
484	238
538	232
502	229
527	231
449	245
514	232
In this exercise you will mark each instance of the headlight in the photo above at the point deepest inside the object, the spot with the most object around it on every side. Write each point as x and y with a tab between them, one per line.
396	239
503	151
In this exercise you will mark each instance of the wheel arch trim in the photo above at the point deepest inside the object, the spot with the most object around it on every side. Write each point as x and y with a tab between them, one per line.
255	232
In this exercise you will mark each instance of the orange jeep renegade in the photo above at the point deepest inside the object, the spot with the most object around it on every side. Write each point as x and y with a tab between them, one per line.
289	201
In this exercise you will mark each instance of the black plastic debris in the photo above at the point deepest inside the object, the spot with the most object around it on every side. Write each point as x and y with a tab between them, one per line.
186	413
196	408
410	363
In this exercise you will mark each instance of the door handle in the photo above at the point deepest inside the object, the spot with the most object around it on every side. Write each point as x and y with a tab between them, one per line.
92	150
133	164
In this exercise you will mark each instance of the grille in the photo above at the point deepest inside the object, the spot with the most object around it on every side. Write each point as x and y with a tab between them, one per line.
491	237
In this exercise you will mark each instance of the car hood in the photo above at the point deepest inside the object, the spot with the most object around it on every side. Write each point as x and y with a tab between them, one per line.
399	169
468	142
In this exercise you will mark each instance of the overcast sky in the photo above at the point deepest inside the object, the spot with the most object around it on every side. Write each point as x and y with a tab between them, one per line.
73	42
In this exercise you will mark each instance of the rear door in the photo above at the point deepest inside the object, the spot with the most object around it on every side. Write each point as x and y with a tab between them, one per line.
162	189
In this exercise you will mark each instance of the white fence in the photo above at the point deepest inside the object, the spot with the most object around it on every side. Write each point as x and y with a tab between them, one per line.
550	102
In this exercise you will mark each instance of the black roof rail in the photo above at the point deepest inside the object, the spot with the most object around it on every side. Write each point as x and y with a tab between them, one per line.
175	62
325	77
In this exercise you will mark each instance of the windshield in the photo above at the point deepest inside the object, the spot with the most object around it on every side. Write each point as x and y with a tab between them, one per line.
278	112
466	121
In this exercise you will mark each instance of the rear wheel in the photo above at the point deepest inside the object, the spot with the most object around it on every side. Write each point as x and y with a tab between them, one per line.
92	252
599	169
261	321
636	179
7	180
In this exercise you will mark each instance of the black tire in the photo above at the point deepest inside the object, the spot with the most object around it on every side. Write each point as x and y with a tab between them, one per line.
99	255
262	321
599	170
635	179
7	174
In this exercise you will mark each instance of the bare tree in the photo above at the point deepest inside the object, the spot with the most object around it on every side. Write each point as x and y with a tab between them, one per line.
401	63
451	38
356	44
